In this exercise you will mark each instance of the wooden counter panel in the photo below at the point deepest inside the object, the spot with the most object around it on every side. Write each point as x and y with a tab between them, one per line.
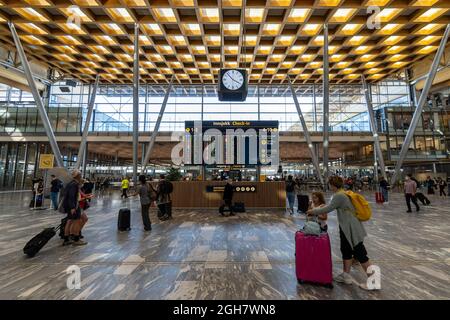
192	194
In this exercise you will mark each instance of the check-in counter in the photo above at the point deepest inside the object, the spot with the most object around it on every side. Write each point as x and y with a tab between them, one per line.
208	194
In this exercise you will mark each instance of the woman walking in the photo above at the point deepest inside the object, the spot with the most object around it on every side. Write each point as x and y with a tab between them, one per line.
351	230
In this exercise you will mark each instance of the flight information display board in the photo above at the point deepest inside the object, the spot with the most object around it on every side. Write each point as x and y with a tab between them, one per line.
236	142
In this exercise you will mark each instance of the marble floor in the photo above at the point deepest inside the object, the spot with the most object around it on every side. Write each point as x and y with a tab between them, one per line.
201	255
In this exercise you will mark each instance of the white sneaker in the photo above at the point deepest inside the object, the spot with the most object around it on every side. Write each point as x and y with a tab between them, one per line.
363	286
344	277
387	202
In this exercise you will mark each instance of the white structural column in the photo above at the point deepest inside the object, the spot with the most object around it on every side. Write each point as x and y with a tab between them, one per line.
373	126
135	102
314	157
80	154
37	97
157	124
326	105
423	98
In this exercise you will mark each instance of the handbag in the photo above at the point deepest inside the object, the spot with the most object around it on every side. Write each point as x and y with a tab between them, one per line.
311	228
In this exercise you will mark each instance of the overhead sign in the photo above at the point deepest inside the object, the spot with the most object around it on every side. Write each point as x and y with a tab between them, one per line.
46	161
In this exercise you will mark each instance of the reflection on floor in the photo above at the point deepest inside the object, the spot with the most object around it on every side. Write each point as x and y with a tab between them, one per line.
201	255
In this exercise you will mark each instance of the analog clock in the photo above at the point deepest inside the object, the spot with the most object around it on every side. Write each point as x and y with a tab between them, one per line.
232	80
232	85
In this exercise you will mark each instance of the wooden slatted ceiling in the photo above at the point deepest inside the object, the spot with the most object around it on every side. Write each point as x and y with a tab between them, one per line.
282	37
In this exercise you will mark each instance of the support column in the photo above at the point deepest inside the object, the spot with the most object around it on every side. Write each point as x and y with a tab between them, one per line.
135	102
373	126
306	132
36	96
326	104
420	104
157	124
85	158
86	125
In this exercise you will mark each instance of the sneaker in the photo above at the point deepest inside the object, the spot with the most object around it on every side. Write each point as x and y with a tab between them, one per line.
67	242
344	277
232	214
408	211
79	243
363	286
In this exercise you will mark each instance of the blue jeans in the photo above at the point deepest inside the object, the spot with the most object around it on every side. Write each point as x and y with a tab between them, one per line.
54	198
385	194
291	199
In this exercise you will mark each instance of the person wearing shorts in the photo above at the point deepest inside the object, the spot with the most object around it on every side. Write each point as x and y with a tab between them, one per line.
73	210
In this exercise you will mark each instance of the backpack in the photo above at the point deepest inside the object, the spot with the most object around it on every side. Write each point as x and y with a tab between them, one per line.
151	192
166	187
362	209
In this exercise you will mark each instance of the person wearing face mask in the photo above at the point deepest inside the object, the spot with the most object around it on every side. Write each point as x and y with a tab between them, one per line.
410	189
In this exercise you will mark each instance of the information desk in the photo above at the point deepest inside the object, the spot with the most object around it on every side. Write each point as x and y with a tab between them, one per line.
209	194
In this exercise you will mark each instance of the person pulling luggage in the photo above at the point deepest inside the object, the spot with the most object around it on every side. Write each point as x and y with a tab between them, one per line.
146	195
351	230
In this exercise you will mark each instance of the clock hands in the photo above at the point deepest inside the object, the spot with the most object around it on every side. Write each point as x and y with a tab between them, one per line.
232	78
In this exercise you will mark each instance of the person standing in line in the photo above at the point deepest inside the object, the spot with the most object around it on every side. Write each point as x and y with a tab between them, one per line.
442	184
125	185
163	200
56	186
227	198
146	195
290	194
384	188
410	188
298	193
430	185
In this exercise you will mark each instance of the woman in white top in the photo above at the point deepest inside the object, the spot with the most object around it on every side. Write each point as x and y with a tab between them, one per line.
318	201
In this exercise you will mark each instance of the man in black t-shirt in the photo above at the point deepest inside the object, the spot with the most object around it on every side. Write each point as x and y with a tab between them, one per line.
227	198
56	186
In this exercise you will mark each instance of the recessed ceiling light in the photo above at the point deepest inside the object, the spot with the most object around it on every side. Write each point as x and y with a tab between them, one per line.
342	15
430	15
429	28
31	14
427	49
298	15
254	15
164	14
209	14
350	29
231	29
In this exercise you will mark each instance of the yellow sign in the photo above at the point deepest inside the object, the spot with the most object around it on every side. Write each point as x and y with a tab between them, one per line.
46	161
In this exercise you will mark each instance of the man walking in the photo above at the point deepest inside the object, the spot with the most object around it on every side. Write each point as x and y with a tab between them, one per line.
56	186
125	184
384	188
73	210
410	189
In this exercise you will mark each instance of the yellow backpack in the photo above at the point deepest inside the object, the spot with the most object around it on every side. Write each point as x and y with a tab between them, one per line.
362	208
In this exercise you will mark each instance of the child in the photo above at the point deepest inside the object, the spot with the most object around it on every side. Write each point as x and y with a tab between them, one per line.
318	201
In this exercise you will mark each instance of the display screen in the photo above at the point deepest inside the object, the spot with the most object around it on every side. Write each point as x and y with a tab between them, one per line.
233	142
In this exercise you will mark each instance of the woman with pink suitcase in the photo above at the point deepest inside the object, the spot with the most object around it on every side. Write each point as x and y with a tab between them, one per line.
351	231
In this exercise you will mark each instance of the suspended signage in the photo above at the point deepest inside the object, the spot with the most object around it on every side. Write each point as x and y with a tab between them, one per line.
46	161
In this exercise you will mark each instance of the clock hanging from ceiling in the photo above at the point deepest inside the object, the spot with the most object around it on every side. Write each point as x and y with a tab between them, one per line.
233	85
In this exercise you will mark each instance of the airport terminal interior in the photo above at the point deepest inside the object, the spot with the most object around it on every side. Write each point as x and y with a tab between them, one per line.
219	94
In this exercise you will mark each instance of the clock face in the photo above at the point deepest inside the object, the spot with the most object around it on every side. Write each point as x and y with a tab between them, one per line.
233	80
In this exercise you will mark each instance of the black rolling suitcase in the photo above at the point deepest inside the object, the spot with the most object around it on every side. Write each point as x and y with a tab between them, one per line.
303	202
421	197
39	241
123	221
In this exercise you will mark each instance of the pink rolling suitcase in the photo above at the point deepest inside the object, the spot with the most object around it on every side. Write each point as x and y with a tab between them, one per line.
313	259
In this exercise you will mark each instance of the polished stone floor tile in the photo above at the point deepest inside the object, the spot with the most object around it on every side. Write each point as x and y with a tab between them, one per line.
202	255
